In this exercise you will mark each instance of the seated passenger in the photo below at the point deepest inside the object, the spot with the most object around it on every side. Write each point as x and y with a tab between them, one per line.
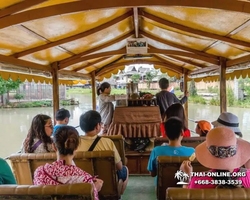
63	171
38	139
228	120
174	130
6	175
202	128
221	152
176	110
90	123
62	119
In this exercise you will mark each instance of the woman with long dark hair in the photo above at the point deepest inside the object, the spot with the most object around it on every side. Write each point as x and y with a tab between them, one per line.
177	110
106	107
38	139
64	171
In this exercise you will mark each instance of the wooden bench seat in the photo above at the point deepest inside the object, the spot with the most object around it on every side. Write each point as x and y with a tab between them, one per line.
51	192
186	141
207	194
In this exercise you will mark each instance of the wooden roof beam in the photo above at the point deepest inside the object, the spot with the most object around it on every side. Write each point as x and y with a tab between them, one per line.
116	65
188	61
19	7
23	63
81	6
90	64
97	48
136	21
72	73
93	56
182	53
150	36
204	70
74	37
238	61
194	31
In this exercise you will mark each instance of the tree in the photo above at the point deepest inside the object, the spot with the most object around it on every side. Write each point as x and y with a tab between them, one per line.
149	77
193	90
8	85
135	78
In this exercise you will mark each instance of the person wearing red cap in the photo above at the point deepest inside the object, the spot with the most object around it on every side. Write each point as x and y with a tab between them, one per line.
202	128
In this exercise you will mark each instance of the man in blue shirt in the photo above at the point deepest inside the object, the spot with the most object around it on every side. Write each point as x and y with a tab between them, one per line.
62	119
174	129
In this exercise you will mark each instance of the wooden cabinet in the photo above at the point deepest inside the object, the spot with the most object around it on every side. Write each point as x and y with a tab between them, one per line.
137	162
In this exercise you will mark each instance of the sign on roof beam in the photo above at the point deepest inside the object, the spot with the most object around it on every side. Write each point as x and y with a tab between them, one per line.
194	31
81	6
136	21
98	48
19	7
75	37
91	64
23	63
152	37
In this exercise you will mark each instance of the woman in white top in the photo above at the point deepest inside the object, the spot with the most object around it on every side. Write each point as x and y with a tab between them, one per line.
106	107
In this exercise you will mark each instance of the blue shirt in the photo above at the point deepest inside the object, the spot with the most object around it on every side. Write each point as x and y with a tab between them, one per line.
56	127
166	151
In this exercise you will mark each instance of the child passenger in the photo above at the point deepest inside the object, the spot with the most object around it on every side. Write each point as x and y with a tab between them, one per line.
63	171
174	130
90	123
106	107
202	128
62	119
38	139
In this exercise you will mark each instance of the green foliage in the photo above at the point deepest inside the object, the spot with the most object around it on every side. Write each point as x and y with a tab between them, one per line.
244	84
6	86
197	99
192	89
65	103
215	101
19	96
135	78
230	97
213	89
149	77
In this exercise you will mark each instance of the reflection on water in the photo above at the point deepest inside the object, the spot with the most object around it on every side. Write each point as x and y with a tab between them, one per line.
15	123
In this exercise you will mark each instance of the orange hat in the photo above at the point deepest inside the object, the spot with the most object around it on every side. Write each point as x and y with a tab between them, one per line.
204	125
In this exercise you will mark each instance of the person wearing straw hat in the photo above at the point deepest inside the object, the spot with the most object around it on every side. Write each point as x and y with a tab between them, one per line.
229	120
223	153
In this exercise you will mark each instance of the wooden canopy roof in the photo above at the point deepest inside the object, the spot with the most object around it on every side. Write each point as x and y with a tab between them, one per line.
80	36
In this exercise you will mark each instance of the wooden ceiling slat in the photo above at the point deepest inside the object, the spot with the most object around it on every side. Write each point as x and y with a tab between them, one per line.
23	63
19	7
237	61
182	53
116	65
80	6
72	73
194	31
136	21
204	70
98	47
188	61
177	45
90	64
168	62
74	37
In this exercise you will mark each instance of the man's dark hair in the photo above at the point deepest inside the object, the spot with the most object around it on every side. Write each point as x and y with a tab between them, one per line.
173	128
61	114
164	83
89	120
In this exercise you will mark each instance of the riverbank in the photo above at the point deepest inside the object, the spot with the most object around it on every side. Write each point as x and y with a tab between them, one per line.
43	103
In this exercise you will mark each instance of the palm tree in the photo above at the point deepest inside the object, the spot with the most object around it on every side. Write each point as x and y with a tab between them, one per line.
178	174
149	77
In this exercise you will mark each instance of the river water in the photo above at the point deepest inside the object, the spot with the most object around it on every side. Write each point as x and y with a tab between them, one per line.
14	123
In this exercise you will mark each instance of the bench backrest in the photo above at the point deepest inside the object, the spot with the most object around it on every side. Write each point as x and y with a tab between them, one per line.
119	144
207	194
99	163
74	191
186	141
166	169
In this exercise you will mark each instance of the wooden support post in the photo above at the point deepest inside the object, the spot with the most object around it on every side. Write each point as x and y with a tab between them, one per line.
55	83
93	90
223	86
185	87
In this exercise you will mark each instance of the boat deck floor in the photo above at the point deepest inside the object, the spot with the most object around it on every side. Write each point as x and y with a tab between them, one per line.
140	187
